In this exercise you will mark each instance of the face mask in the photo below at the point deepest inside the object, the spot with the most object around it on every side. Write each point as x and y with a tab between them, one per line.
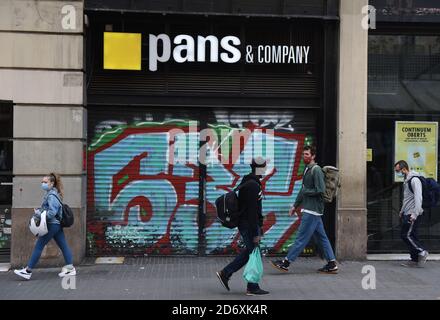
400	174
44	186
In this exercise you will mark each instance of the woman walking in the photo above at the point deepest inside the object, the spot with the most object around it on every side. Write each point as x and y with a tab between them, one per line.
52	204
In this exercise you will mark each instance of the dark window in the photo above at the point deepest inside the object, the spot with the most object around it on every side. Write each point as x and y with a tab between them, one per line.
6	120
6	133
403	85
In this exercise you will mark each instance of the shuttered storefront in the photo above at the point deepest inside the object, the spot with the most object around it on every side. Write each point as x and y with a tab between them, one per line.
139	203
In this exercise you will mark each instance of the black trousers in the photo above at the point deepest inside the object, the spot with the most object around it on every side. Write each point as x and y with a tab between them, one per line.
241	260
409	235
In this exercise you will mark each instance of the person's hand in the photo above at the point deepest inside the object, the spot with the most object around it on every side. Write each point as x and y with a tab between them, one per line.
412	217
292	211
257	240
400	215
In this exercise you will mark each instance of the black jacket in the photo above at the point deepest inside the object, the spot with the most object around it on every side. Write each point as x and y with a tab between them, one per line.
249	199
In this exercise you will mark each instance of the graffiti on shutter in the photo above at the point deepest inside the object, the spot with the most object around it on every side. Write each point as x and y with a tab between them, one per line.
140	203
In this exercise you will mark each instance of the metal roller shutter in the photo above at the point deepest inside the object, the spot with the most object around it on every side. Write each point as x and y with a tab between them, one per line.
140	204
291	129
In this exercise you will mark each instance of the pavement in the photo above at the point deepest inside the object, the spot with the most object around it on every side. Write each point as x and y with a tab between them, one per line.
193	278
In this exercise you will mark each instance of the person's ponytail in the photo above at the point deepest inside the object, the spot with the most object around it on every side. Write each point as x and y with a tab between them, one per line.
57	183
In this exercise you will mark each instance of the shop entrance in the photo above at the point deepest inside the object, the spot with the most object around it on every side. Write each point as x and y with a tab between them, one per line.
6	123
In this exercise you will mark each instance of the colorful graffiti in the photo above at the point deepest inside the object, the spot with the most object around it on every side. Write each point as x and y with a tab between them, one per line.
5	229
140	203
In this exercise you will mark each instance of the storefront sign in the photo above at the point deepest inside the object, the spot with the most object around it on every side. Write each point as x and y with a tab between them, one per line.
416	143
123	51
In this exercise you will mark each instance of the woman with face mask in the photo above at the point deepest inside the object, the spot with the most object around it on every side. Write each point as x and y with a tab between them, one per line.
53	187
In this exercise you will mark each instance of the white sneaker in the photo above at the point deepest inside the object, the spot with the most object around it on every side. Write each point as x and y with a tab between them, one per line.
422	258
65	272
23	273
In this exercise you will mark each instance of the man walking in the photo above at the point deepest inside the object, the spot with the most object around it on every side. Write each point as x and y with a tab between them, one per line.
310	198
249	226
411	214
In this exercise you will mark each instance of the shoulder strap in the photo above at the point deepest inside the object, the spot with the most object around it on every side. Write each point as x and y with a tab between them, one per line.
247	182
314	166
51	194
61	203
306	171
409	183
242	185
311	169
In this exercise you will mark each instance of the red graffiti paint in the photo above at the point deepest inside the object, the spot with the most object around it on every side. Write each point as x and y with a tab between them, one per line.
131	172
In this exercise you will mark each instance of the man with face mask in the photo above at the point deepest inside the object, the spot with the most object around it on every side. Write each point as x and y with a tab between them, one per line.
410	213
250	224
310	198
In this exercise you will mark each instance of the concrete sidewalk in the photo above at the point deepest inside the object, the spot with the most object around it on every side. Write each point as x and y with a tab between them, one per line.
193	278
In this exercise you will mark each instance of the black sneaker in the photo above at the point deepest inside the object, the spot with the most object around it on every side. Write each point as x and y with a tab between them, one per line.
257	292
330	268
281	265
223	279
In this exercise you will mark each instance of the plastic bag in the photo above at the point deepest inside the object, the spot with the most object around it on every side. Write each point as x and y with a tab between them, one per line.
253	272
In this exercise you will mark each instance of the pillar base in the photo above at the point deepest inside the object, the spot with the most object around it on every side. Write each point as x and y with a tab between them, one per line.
351	234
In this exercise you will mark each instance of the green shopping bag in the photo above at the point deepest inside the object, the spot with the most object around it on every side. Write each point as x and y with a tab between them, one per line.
253	272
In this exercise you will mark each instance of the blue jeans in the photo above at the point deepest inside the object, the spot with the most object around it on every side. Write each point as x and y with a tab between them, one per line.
408	234
311	225
54	232
241	260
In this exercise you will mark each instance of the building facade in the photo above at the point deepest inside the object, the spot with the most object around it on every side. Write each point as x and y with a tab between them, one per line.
93	89
42	103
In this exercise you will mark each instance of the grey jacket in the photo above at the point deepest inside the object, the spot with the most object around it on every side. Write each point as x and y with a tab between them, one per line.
412	202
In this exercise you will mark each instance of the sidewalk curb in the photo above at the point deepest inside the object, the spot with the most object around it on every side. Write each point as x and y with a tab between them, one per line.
5	267
398	257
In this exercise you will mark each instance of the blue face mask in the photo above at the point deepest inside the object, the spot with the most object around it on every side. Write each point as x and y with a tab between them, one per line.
45	186
400	174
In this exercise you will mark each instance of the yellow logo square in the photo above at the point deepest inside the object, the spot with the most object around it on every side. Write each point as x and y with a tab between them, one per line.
122	51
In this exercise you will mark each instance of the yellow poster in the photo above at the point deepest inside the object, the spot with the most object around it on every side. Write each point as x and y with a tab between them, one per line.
369	155
416	143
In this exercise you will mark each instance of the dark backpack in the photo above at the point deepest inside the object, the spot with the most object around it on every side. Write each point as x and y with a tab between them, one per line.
228	211
66	219
430	191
